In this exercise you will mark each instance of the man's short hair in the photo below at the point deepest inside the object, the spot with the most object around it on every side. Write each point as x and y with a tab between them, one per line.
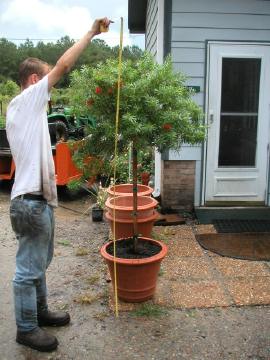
31	66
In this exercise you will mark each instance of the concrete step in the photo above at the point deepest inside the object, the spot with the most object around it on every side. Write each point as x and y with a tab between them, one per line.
206	215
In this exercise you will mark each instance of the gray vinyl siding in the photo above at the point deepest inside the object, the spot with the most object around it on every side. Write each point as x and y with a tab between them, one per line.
260	7
151	27
193	22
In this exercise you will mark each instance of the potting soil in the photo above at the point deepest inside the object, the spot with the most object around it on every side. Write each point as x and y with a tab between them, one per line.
125	250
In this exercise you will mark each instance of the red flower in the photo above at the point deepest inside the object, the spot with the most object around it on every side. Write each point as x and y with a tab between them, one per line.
167	126
98	90
110	91
89	102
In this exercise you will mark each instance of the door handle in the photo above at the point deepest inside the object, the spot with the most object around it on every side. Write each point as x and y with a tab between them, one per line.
211	116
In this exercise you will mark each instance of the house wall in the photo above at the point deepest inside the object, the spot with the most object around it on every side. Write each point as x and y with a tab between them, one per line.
177	186
193	22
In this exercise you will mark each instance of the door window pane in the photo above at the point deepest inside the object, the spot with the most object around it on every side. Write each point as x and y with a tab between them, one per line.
238	139
240	85
239	112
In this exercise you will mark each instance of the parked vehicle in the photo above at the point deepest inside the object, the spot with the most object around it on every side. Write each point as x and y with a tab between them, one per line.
64	167
64	125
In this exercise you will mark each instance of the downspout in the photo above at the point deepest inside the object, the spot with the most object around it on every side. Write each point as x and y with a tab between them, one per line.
159	59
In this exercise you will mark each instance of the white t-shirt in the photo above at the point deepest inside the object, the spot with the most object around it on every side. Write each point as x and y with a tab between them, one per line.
29	140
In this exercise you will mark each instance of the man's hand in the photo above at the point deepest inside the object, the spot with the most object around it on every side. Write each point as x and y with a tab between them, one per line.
104	22
68	59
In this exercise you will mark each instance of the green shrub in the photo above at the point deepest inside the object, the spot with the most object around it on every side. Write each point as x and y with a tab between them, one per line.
156	109
2	122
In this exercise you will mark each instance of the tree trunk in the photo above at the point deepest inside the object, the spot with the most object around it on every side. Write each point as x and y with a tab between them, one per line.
135	196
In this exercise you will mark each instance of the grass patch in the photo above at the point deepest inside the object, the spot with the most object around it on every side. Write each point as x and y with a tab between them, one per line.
101	315
81	251
217	311
92	280
169	231
191	313
62	307
64	242
161	272
149	310
87	298
159	236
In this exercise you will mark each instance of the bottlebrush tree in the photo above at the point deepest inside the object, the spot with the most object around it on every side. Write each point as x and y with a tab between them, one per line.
156	108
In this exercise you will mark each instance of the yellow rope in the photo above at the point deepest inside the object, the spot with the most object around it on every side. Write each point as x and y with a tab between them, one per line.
115	157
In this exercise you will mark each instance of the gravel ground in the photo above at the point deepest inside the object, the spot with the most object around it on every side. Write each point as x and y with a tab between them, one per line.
78	282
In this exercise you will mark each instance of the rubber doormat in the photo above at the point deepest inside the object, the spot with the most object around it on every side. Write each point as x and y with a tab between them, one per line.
246	246
239	226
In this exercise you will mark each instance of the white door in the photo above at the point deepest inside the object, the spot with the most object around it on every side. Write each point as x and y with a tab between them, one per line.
238	113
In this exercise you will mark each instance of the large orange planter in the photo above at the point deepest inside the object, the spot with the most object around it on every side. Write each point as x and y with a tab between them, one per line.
145	176
127	190
123	207
136	278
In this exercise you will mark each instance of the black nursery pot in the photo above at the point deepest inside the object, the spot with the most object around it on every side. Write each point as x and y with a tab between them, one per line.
97	214
104	180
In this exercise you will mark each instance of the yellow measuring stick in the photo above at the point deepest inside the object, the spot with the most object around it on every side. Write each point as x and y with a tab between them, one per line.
115	157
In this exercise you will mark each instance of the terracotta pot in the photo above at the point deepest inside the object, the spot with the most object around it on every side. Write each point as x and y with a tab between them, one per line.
123	207
124	227
145	176
127	190
136	278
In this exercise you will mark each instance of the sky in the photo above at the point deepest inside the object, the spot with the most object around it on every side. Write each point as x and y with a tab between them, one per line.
53	19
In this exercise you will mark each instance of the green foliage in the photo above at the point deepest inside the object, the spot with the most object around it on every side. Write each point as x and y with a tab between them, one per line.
122	164
97	192
101	195
149	310
60	96
74	185
156	108
64	242
146	160
2	122
11	55
8	89
9	60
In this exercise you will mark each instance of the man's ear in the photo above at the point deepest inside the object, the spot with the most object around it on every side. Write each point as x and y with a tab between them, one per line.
34	78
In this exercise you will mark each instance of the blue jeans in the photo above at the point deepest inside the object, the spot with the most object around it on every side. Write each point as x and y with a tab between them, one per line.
33	224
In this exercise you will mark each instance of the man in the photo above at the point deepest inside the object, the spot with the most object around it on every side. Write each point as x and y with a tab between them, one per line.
34	193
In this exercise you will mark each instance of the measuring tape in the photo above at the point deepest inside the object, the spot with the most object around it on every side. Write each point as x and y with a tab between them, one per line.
115	157
81	142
